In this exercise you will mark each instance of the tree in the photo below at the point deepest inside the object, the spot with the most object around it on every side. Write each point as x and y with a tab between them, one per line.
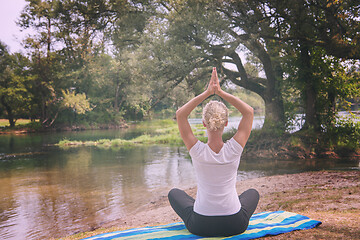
309	28
332	85
330	24
221	30
15	96
167	65
72	39
112	77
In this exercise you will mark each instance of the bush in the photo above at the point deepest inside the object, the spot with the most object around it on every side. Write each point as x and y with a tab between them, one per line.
346	134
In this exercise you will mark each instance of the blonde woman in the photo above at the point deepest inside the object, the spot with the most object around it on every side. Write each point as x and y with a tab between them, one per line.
217	210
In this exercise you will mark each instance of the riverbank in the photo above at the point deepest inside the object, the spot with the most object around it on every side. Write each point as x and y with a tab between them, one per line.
262	144
26	126
332	197
265	144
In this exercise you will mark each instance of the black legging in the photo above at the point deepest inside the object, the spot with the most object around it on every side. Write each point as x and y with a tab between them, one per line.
214	226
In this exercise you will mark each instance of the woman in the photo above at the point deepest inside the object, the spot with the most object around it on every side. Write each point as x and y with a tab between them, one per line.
217	210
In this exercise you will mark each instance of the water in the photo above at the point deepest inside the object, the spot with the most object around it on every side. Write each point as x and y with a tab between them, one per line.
48	192
233	122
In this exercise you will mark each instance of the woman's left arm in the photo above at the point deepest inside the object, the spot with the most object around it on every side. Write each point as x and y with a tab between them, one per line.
183	113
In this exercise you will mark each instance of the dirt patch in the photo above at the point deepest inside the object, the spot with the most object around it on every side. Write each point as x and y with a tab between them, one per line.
332	197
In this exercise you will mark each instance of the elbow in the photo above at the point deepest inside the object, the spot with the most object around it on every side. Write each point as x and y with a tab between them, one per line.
182	113
250	112
178	113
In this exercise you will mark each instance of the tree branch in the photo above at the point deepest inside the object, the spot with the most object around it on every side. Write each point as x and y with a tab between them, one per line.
250	85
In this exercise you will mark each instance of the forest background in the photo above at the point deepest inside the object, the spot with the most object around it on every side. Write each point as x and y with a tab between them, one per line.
101	63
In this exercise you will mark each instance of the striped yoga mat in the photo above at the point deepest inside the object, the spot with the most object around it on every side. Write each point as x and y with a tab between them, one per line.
260	225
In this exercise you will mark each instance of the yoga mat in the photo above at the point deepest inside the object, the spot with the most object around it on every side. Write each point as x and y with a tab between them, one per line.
260	225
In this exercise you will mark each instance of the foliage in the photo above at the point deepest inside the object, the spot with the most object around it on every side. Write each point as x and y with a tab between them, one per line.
254	100
344	136
221	30
171	68
329	24
76	102
94	62
335	87
320	87
15	96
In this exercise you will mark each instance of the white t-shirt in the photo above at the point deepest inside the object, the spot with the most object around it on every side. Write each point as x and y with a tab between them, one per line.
216	178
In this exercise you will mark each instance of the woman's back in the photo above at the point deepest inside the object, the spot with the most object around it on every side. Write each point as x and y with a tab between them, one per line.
216	178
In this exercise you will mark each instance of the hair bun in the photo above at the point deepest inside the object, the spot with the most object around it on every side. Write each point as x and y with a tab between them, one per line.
215	115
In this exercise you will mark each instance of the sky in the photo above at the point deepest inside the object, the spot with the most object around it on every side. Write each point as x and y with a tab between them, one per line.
9	32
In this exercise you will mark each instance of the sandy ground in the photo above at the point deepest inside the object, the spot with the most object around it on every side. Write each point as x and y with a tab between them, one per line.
332	197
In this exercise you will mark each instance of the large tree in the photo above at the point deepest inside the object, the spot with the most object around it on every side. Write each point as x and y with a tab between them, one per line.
312	27
222	30
275	33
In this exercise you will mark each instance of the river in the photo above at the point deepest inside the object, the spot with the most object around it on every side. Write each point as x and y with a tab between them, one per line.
46	191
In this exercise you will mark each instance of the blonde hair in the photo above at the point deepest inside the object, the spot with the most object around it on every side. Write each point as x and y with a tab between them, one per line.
215	115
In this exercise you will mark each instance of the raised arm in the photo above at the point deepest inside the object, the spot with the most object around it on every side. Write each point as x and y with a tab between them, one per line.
183	113
245	125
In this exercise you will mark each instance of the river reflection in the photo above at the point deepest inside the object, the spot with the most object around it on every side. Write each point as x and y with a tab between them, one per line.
48	192
66	191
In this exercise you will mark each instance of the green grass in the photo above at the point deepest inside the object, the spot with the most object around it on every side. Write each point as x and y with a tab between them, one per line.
155	132
141	140
5	122
21	124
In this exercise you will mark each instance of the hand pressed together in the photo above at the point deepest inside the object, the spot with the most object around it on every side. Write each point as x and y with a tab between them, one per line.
214	85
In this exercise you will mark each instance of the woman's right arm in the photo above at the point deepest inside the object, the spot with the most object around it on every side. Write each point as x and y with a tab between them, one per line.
245	126
182	113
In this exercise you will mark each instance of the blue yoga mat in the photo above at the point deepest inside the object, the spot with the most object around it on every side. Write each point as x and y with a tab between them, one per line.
260	225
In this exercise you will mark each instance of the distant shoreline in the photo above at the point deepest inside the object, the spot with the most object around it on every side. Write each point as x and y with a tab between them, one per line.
24	129
327	196
287	146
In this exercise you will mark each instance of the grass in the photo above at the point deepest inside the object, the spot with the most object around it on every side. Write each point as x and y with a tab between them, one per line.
143	139
19	122
21	125
155	132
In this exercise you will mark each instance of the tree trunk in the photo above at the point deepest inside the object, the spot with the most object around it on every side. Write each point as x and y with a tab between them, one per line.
11	118
309	91
274	113
48	38
116	100
43	117
274	104
268	89
10	115
310	107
